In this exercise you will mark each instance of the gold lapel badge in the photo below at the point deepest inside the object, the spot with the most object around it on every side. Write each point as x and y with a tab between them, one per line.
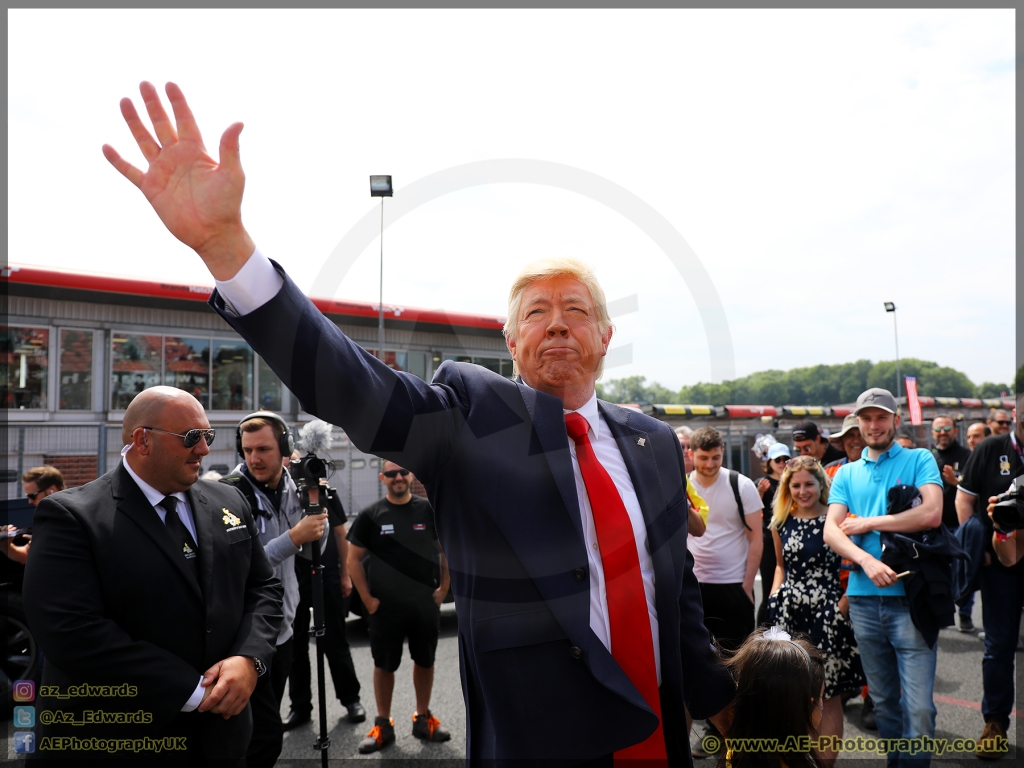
187	550
230	519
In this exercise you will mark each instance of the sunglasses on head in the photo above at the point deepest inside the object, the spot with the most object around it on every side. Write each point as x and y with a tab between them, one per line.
807	462
190	438
391	474
942	429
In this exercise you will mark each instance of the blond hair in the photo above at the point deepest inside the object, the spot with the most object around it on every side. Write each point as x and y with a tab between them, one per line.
783	503
549	269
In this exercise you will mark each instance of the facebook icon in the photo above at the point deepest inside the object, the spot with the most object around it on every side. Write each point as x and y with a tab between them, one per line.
24	742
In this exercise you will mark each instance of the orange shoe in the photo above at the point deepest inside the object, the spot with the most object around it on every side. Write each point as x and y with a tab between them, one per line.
428	727
382	734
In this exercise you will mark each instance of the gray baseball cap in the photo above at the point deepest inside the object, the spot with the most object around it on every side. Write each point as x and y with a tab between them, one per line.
876	397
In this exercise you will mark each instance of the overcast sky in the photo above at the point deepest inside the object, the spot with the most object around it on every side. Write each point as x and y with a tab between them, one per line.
817	163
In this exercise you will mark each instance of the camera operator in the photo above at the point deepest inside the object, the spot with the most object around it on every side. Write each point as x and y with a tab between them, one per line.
263	439
337	596
991	469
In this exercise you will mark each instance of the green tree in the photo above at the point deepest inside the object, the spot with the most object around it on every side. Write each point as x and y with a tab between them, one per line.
988	389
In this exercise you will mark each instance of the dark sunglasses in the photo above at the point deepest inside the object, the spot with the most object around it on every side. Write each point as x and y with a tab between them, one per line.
190	438
1002	423
781	458
391	474
32	496
945	429
806	462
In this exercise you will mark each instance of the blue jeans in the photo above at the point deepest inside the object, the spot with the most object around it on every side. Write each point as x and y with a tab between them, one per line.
1001	598
900	668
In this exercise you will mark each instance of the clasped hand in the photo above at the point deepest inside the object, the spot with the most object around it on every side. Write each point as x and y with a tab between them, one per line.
229	684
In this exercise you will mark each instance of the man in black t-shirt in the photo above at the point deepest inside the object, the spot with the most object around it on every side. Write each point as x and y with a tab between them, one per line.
990	470
403	592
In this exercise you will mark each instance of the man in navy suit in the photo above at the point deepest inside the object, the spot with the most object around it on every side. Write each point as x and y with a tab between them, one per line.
562	621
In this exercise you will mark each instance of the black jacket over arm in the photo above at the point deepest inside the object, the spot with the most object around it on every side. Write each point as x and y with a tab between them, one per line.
113	604
494	457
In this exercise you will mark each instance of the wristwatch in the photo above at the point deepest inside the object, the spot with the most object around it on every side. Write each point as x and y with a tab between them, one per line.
261	668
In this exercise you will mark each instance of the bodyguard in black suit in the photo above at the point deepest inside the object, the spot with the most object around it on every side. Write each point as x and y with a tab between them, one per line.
516	510
165	611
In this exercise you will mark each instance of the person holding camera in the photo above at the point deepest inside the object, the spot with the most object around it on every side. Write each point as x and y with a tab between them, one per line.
990	470
263	439
403	593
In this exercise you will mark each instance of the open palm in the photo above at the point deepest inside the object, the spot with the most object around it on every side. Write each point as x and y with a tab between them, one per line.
198	199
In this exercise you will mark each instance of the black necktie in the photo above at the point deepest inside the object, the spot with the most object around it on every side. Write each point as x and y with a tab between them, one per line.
180	537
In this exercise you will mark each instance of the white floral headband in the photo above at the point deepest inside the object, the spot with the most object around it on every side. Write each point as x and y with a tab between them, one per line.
779	634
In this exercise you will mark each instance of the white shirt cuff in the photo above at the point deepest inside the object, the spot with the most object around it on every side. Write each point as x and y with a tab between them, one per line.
196	698
256	283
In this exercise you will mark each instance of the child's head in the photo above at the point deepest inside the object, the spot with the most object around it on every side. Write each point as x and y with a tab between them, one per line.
780	684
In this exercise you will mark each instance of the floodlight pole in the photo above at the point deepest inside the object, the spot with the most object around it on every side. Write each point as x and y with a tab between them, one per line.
891	307
380	186
380	315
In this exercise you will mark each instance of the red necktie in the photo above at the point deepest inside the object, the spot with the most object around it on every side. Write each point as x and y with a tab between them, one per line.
630	626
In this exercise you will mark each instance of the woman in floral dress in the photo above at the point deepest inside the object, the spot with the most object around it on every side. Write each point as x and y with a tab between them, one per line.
806	595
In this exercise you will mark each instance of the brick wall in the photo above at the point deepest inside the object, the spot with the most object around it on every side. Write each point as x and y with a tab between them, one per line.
77	470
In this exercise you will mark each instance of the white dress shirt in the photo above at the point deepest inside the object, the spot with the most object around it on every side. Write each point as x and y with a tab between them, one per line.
257	282
154	497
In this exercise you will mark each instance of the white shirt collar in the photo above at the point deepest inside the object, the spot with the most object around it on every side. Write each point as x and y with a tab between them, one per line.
589	412
153	496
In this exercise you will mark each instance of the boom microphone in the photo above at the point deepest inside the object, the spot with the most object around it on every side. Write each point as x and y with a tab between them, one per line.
315	436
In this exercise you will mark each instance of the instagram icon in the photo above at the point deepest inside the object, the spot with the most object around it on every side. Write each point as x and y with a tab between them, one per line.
24	690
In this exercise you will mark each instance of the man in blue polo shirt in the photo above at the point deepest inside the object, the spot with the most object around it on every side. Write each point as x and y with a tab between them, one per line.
898	663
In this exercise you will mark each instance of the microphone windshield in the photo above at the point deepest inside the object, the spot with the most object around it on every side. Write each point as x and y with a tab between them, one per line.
315	437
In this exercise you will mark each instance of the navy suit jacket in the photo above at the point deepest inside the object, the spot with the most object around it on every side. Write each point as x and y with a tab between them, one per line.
494	457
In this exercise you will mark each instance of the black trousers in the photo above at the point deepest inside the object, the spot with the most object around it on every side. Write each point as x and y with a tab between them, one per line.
267	730
767	576
728	614
336	648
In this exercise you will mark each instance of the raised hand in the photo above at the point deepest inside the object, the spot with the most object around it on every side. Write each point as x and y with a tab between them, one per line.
198	199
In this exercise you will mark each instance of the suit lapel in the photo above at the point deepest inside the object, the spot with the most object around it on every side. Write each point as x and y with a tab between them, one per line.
643	471
132	502
204	516
548	418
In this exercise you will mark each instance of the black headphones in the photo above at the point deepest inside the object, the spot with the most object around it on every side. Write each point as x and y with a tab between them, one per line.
285	442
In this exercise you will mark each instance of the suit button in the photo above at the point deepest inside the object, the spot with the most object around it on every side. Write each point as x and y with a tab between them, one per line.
578	574
209	628
576	653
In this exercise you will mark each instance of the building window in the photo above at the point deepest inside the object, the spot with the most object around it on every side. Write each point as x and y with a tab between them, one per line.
232	376
418	364
26	366
392	359
75	370
490	363
187	366
135	365
270	387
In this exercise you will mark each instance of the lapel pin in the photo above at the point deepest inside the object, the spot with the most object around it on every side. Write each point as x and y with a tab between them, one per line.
641	442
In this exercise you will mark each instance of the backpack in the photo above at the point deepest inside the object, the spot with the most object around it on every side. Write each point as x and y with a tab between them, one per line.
734	483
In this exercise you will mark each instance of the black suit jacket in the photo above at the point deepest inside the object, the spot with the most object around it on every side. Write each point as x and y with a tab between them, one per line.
112	603
494	457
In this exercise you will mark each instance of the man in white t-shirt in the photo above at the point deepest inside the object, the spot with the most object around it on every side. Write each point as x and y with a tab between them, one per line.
727	557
